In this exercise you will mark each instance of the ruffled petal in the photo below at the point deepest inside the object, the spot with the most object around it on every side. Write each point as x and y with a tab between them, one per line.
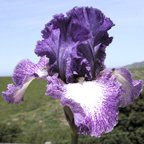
24	73
55	87
22	70
94	103
131	89
75	44
49	46
88	22
26	69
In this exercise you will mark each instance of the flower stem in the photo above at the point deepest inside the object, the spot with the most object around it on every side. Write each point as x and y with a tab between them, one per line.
70	118
74	138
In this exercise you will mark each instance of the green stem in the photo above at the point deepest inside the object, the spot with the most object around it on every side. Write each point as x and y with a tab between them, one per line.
74	138
70	118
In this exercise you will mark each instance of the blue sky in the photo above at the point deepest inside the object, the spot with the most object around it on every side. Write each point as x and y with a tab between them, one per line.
21	22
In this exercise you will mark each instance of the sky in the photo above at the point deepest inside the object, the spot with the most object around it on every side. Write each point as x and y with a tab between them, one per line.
21	22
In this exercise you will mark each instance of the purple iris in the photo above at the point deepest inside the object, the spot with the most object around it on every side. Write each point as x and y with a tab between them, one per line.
72	55
75	44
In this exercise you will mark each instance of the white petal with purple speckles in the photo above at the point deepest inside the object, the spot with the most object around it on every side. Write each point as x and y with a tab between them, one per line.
94	103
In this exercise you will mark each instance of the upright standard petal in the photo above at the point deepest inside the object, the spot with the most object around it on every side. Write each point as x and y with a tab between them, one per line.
75	44
94	103
23	75
131	89
88	22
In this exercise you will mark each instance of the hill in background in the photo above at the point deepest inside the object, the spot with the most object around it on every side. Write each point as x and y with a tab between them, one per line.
137	69
135	65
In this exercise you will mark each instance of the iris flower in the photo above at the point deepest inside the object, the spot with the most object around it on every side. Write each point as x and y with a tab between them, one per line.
72	52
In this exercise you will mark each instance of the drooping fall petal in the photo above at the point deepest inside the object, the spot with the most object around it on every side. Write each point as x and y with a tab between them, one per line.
131	89
23	75
94	103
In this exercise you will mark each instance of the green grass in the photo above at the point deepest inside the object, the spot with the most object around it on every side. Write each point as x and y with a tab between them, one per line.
40	118
36	115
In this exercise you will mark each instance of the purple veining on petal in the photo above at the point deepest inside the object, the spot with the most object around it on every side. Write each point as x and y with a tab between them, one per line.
131	88
41	68
55	87
49	46
94	103
75	44
26	70
88	22
23	75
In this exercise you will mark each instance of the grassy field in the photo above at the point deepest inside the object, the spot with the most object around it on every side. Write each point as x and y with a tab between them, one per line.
40	118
